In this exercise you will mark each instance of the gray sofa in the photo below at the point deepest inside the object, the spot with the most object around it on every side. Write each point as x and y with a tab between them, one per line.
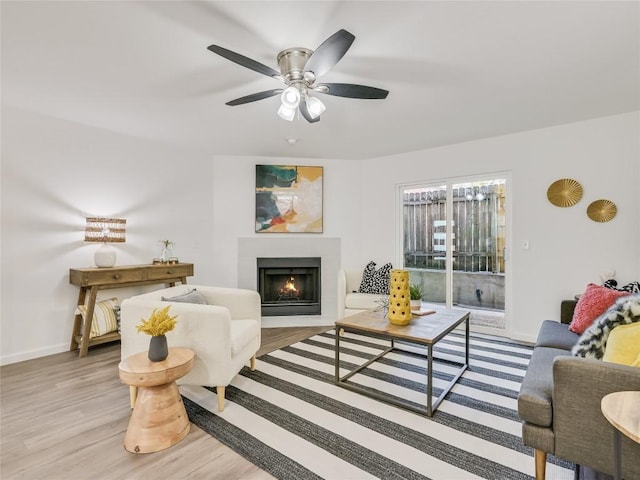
559	403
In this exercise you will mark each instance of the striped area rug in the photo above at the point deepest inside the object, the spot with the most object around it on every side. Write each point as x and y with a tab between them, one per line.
290	419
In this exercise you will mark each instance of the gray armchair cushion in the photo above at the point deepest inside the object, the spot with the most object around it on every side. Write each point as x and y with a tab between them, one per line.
534	400
556	335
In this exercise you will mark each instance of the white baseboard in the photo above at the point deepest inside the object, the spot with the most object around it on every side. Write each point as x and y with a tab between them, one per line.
31	354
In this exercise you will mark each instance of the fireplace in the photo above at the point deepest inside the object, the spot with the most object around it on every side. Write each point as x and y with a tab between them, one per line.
289	286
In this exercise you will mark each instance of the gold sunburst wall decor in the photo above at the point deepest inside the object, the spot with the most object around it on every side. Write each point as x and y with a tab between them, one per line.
602	210
565	192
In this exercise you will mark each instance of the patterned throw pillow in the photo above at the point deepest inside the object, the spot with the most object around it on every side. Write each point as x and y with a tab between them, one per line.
631	287
116	310
593	342
376	281
104	317
592	303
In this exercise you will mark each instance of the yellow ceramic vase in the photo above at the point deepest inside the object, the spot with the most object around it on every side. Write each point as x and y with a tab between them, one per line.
399	300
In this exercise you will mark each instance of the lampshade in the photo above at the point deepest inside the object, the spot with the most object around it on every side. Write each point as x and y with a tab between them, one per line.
290	98
286	113
315	107
105	230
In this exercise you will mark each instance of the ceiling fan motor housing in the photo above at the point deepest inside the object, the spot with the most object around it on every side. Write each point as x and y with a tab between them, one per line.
292	61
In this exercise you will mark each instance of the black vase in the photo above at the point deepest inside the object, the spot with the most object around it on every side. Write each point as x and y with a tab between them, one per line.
158	349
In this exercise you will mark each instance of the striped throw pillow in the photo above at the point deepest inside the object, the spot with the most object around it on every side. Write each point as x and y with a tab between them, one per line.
104	317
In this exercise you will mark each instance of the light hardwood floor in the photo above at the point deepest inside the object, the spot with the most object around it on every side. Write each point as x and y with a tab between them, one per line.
64	417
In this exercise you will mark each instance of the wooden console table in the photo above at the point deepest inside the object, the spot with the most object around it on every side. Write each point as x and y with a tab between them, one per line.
93	279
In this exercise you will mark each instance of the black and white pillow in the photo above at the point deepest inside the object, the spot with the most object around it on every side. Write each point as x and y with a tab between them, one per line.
632	287
376	281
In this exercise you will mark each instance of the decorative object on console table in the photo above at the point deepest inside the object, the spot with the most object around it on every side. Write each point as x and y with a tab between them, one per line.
166	253
105	230
399	298
93	279
157	325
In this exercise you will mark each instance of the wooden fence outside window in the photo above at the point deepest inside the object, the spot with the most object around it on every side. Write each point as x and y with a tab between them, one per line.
478	228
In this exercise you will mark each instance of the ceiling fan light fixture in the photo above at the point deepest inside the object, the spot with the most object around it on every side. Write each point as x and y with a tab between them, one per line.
290	98
286	113
300	69
315	107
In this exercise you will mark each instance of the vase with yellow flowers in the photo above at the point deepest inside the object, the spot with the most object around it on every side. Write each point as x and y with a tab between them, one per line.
157	325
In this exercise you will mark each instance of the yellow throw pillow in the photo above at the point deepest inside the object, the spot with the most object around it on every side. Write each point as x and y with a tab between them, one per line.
104	317
623	345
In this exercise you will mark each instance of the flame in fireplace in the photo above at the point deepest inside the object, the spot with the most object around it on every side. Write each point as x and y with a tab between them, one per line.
289	288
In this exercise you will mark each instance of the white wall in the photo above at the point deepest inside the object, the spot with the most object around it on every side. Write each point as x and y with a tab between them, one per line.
54	173
234	206
567	250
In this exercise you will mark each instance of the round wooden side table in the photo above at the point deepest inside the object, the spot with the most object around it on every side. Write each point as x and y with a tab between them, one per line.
159	419
622	410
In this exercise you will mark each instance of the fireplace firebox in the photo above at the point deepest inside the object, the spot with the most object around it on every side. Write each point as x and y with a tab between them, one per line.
289	286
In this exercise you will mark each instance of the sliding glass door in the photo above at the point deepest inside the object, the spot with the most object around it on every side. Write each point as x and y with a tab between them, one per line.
454	239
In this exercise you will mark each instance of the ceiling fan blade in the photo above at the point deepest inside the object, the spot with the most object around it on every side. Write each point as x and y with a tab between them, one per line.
329	53
351	90
254	97
305	113
245	62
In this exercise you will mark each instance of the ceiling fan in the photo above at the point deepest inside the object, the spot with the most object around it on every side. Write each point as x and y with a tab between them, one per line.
300	69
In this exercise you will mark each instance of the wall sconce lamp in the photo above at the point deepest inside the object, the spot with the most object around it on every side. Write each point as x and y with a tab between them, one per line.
105	230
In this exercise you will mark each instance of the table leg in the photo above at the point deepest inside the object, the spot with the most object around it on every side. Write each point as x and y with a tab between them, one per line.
617	474
337	358
466	341
88	320
133	394
77	320
430	380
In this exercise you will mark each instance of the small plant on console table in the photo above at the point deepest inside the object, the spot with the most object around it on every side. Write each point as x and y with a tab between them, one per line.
157	325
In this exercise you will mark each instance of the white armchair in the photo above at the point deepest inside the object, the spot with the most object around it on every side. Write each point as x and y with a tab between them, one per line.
224	334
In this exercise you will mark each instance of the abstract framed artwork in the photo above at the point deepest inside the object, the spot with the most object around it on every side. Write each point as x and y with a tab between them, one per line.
288	199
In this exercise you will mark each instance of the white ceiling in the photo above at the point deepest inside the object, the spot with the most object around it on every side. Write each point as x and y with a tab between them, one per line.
456	71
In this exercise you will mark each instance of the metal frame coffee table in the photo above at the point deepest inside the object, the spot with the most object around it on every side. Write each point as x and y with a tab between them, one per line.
424	331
